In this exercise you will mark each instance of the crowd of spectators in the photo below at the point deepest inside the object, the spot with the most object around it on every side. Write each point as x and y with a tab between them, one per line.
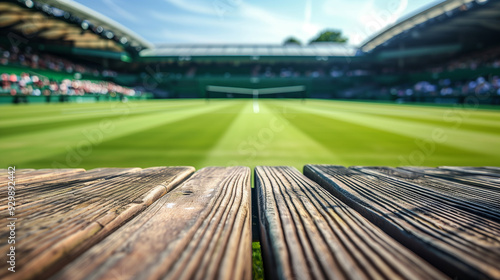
484	58
446	88
482	84
36	85
26	84
28	58
286	71
283	70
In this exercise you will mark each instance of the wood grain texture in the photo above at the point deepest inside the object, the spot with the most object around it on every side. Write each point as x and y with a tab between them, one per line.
307	233
27	175
58	182
61	217
480	177
429	222
469	192
200	230
486	170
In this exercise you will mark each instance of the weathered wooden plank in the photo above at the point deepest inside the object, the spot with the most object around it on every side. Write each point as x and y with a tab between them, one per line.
200	230
481	176
307	233
462	244
24	176
488	171
27	175
19	171
466	191
495	169
62	224
59	183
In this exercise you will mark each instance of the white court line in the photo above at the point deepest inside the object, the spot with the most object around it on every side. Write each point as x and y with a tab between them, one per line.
256	108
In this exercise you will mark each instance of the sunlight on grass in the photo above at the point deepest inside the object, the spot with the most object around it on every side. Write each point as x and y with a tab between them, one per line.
228	132
258	266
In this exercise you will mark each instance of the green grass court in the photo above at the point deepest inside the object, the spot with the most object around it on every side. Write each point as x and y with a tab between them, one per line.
241	132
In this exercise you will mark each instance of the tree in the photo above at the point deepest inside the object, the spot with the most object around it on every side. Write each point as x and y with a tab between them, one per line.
292	40
330	36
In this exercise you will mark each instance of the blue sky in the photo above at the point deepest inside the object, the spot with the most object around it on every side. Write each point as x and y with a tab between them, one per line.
255	21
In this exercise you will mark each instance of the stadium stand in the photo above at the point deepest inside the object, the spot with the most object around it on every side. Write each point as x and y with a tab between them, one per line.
62	51
445	53
27	58
19	87
452	43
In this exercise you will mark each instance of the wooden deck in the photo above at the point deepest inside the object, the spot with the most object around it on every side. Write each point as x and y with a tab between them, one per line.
331	222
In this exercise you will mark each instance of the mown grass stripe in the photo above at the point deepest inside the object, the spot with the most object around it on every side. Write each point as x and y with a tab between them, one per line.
319	132
105	110
459	139
176	143
265	137
59	123
43	145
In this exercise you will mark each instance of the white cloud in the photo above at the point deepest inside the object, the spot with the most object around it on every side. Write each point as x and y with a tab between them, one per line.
197	7
239	22
353	10
120	11
187	20
365	17
308	12
278	25
182	37
307	26
246	21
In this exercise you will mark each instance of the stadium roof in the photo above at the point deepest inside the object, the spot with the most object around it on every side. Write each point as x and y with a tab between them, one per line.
317	51
66	21
448	23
